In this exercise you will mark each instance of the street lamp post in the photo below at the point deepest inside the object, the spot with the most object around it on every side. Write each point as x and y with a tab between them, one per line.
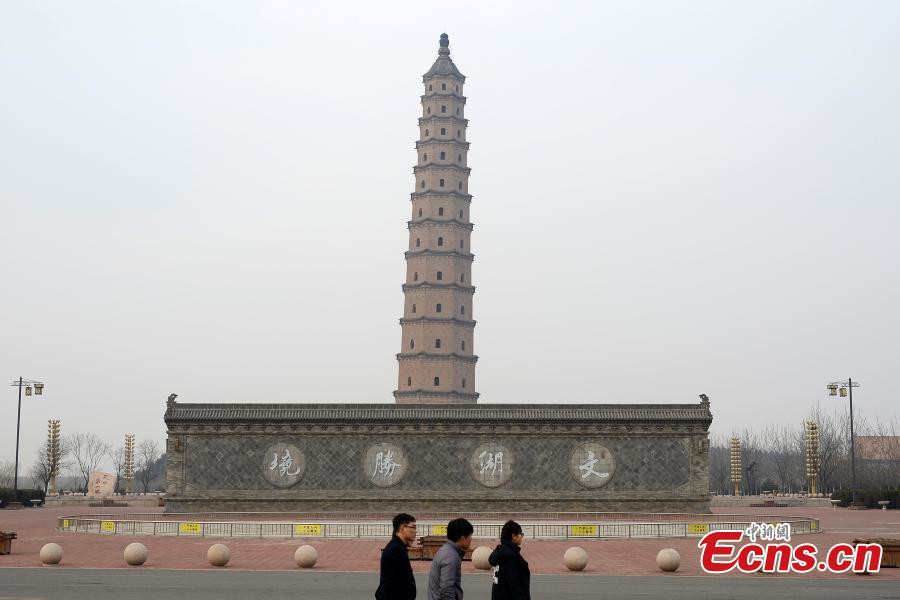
38	387
846	389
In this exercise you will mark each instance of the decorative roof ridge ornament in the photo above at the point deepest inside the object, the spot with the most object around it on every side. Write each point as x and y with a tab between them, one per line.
704	401
443	65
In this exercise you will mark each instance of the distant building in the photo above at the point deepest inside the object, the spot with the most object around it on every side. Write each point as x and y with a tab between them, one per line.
878	447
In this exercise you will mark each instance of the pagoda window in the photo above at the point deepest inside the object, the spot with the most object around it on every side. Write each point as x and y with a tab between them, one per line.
464	382
414	309
462	309
440	241
442	183
460	243
440	211
437	343
418	242
409	382
440	276
426	133
437	308
412	344
424	157
462	278
443	131
443	156
443	108
428	110
443	86
415	276
462	345
437	381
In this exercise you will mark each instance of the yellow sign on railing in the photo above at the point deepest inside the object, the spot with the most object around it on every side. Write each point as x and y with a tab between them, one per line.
107	525
193	528
65	523
698	528
583	530
307	529
438	530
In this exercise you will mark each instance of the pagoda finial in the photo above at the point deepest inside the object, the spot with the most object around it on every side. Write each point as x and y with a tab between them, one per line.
444	50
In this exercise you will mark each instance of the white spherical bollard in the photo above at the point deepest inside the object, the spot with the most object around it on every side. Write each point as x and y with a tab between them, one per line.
668	560
218	555
576	558
51	554
480	557
135	554
306	556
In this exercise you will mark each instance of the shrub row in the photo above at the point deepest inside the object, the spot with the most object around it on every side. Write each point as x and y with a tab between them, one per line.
8	495
869	497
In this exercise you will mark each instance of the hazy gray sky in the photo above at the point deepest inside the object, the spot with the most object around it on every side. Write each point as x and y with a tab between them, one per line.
210	198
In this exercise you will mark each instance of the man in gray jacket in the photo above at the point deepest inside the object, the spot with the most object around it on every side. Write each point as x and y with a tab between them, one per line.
446	569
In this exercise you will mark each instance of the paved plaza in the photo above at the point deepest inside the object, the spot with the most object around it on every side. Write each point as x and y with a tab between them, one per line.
635	557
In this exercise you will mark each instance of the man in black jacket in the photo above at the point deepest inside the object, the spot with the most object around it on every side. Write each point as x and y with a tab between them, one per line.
396	581
511	575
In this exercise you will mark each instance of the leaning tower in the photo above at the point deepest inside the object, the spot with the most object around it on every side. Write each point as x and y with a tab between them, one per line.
437	360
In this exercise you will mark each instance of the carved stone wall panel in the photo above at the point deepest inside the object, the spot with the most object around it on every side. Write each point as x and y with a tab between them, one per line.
420	462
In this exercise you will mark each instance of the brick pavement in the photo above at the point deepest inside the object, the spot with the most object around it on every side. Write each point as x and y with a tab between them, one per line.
36	527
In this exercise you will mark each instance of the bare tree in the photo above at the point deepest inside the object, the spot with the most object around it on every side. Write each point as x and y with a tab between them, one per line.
87	451
7	471
147	455
41	471
833	446
718	465
750	460
118	460
785	456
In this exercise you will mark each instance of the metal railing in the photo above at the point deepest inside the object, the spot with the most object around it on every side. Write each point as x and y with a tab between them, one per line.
192	526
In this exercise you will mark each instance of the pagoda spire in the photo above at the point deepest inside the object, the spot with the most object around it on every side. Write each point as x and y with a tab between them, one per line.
436	358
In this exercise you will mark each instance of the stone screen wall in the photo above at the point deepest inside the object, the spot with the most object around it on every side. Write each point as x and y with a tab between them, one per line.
510	463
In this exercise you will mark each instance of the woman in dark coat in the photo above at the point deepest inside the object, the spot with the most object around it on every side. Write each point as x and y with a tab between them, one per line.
511	575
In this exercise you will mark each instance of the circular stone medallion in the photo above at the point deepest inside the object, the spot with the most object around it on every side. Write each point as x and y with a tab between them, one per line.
385	464
592	465
492	464
283	464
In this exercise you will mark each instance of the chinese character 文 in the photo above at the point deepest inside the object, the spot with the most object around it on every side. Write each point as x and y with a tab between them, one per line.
587	467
